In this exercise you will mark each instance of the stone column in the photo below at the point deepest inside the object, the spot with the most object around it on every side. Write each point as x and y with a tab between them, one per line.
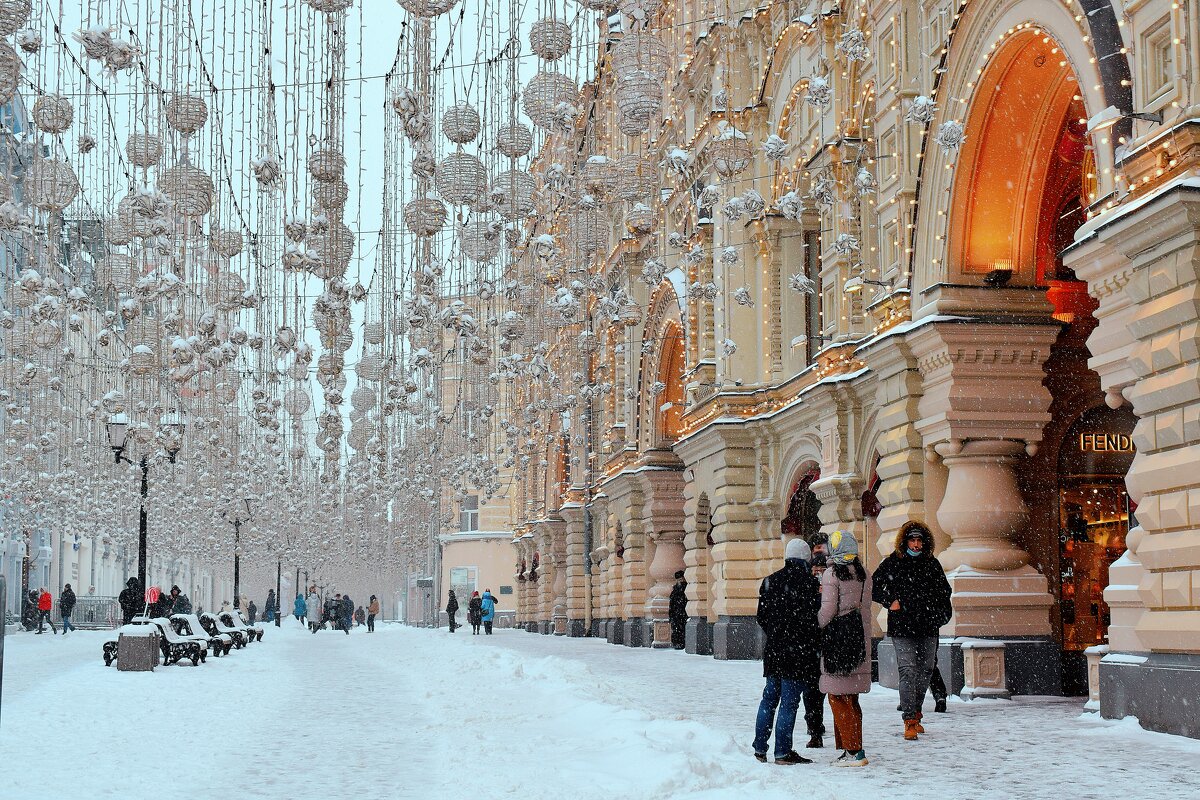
983	407
662	492
698	639
1161	241
1108	272
558	589
577	587
519	617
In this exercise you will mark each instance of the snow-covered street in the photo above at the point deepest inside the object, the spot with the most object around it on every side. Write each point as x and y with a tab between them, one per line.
417	713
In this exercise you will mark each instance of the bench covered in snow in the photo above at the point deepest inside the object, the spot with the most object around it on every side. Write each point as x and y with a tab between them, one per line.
215	625
176	647
188	625
235	620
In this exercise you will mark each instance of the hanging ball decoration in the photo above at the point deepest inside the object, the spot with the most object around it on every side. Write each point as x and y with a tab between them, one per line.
637	177
363	398
640	51
189	188
730	153
13	15
334	247
425	216
480	239
550	39
461	177
370	368
326	164
639	96
545	97
50	185
514	140
599	5
331	195
10	72
460	123
186	113
373	333
53	113
144	149
330	6
512	191
225	243
427	8
589	229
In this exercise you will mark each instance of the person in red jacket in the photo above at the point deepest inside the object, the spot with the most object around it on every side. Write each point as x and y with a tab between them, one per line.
45	604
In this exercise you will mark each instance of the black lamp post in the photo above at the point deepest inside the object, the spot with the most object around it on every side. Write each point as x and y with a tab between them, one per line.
117	428
237	521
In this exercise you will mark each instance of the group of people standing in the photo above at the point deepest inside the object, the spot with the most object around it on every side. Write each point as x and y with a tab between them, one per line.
815	613
481	610
37	609
339	611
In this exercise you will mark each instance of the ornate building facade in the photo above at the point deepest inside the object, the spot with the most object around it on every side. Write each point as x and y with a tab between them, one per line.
876	261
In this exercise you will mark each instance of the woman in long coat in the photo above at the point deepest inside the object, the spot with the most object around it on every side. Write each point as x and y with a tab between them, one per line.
846	587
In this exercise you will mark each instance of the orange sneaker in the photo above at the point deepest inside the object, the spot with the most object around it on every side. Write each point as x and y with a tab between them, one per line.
910	730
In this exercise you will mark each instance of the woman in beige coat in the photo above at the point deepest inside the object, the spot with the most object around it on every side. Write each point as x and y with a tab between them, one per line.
846	587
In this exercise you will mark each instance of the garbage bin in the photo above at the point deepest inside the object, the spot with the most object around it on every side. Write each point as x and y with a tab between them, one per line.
137	649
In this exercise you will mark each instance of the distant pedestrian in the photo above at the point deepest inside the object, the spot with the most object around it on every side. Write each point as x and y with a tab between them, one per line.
360	616
226	607
372	613
300	608
66	603
475	612
677	611
131	600
814	698
315	609
253	611
347	615
452	611
269	606
788	601
912	586
29	610
45	606
488	607
845	618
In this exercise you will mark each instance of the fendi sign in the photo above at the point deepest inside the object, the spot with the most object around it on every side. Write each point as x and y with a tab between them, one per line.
1105	443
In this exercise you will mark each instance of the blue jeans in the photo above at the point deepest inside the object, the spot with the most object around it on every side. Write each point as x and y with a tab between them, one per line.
67	626
785	694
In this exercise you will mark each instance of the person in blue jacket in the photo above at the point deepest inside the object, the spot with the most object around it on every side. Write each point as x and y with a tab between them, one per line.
300	608
489	611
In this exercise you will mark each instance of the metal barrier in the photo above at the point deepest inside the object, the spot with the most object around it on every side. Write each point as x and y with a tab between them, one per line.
91	612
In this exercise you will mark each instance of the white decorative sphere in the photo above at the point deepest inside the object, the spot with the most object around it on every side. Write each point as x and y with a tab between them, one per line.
189	188
514	140
460	123
512	191
550	39
50	185
53	113
545	96
326	164
144	149
460	178
186	113
10	72
13	15
425	216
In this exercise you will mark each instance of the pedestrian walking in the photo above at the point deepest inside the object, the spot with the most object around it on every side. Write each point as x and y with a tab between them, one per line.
29	610
788	601
45	605
66	603
347	613
372	612
845	619
475	612
314	608
360	616
912	586
814	698
452	611
487	605
131	600
253	611
300	608
677	611
269	606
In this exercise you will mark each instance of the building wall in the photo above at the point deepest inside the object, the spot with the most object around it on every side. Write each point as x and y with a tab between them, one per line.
491	555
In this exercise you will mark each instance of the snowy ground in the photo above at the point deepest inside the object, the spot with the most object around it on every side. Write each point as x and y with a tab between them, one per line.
423	714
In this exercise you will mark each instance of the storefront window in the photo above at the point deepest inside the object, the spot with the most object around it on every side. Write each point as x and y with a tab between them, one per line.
1094	518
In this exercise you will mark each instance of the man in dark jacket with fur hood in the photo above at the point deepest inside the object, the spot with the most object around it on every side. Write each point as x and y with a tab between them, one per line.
788	601
912	585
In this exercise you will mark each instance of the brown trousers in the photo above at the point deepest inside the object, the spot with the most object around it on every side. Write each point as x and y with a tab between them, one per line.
847	722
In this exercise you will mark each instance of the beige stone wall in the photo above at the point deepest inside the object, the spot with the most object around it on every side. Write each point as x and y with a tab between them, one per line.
492	557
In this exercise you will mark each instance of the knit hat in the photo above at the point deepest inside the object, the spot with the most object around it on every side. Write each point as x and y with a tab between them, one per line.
797	549
842	548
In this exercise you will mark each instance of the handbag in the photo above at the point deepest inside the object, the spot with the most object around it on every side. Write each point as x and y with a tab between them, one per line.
843	646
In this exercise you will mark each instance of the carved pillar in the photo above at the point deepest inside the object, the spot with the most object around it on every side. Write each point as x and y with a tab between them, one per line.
983	405
576	575
662	492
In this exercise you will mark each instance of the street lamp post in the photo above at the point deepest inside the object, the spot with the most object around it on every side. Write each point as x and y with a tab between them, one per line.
117	428
278	592
237	547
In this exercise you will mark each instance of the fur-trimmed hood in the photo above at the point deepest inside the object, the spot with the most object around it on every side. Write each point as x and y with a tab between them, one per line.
926	535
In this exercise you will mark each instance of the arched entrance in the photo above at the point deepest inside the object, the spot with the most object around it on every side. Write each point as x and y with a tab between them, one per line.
1022	185
803	511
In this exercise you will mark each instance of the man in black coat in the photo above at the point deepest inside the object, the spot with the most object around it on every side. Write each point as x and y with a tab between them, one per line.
347	614
912	585
788	601
677	611
66	604
131	599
